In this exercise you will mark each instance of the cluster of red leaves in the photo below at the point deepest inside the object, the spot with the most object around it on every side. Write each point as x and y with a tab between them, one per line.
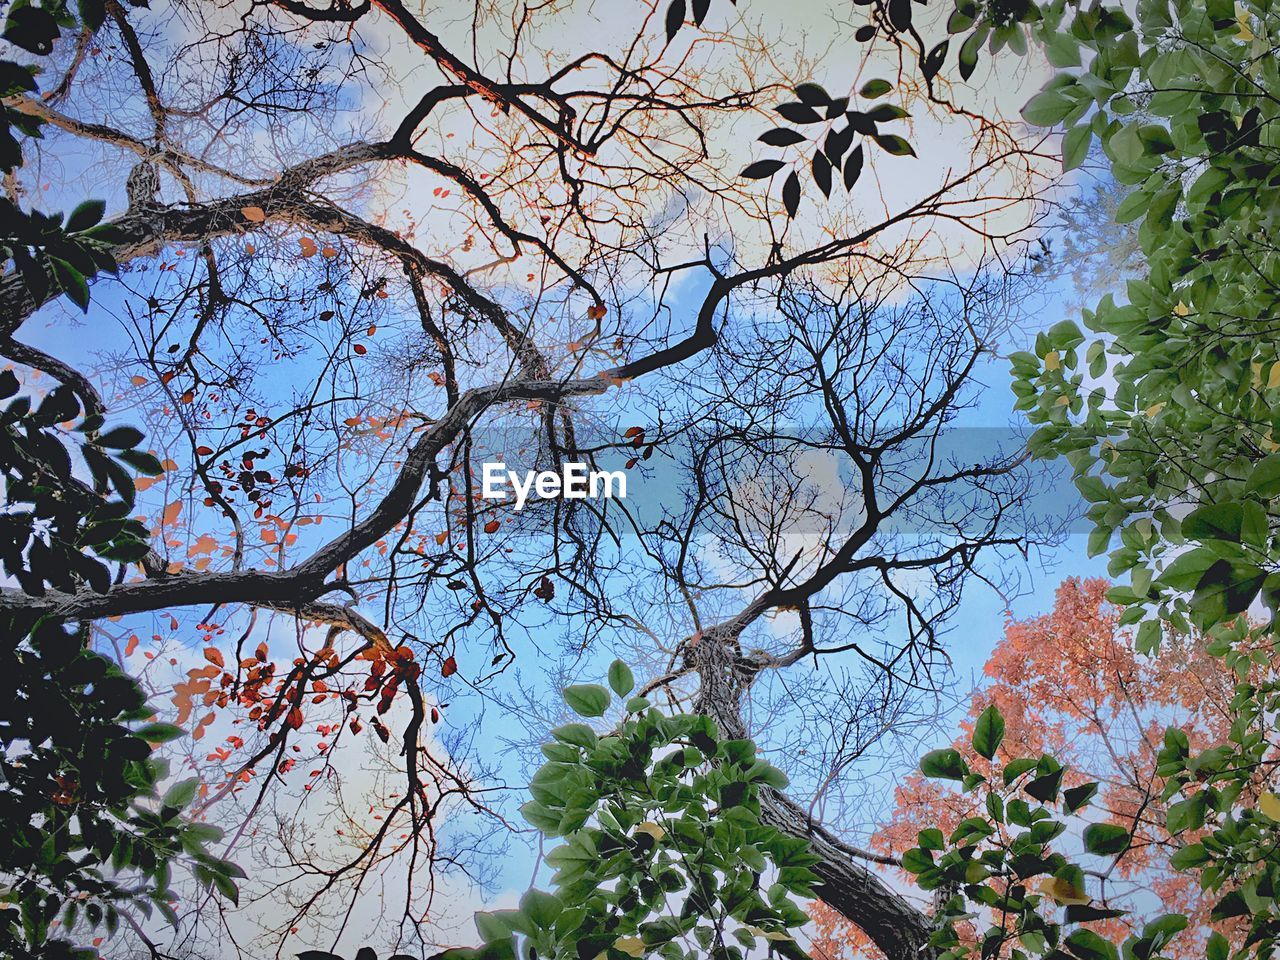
1070	683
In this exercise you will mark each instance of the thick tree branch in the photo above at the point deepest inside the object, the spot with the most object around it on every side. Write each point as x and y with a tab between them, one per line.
305	582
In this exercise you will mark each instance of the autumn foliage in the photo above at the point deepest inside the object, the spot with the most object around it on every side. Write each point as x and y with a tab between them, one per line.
1071	684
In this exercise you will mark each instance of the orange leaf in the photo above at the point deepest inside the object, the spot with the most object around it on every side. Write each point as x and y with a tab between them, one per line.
214	656
253	214
309	248
492	526
171	512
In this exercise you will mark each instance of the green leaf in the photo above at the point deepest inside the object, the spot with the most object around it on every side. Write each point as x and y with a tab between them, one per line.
159	732
1192	855
621	679
227	888
541	908
1264	478
1106	839
1207	184
493	925
145	463
944	764
1187	814
180	795
1158	934
892	143
968	59
875	88
1086	913
121	438
887	113
1187	570
1048	108
916	860
1045	787
1126	145
1063	50
577	734
1016	768
72	282
85	215
541	817
1075	146
1214	521
587	699
931	839
1132	207
1148	638
1076	797
988	732
1087	945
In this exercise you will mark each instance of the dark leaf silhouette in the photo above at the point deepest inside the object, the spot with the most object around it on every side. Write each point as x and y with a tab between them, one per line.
782	137
822	173
761	169
812	95
791	194
900	14
798	113
853	167
675	18
934	61
837	144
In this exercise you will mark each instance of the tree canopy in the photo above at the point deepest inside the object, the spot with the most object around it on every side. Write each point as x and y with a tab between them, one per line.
346	254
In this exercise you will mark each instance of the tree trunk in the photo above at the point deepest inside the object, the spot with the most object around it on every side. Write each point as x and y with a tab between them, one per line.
897	927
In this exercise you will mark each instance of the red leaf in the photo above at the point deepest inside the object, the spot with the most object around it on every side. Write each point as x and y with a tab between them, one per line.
449	667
